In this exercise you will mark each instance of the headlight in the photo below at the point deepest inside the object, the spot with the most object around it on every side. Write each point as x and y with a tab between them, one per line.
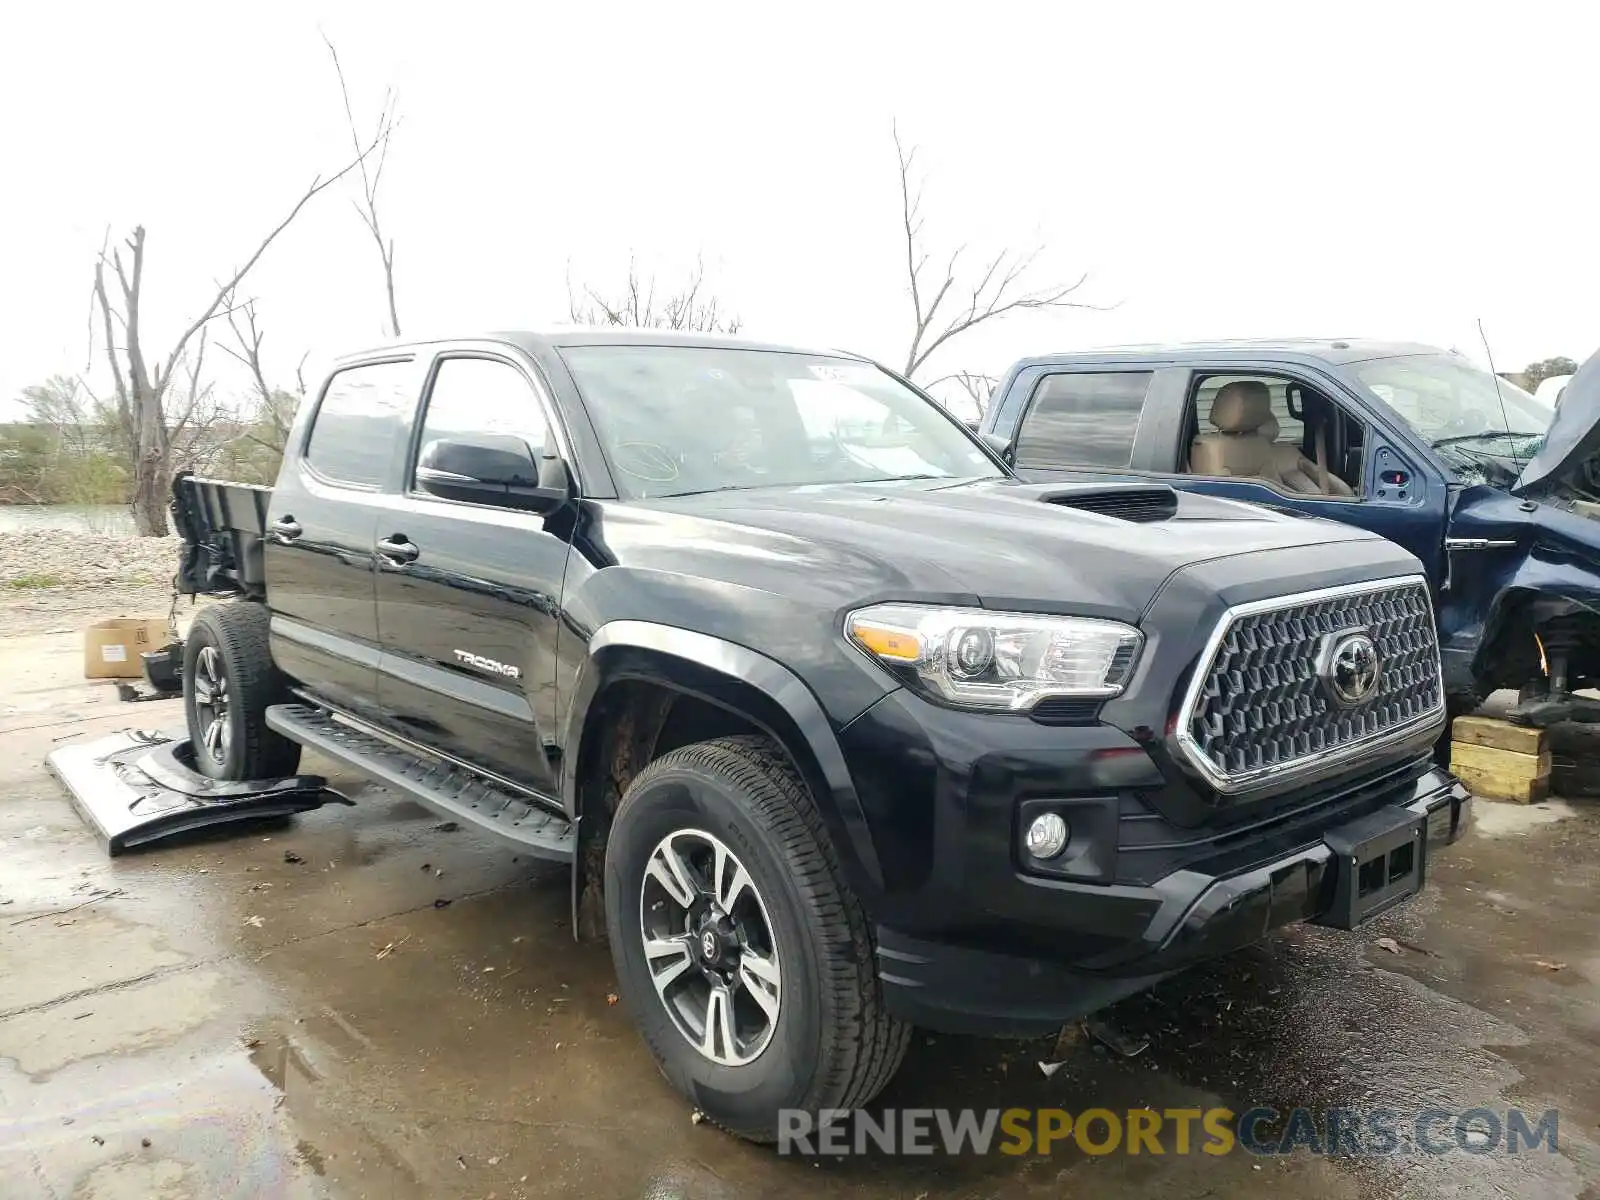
974	658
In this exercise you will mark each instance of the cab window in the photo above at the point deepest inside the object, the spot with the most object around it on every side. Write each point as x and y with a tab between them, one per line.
1082	419
353	436
1275	430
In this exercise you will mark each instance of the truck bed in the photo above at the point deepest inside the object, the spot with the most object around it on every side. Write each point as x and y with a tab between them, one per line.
223	526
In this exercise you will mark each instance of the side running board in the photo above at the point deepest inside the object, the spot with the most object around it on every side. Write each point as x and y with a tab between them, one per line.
448	789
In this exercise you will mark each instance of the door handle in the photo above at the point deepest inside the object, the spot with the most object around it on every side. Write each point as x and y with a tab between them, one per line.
287	529
398	550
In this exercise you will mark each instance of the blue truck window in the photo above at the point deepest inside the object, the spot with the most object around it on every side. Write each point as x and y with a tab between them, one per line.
1083	420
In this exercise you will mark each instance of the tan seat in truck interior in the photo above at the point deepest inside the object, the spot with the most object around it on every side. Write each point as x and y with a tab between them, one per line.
1244	445
1297	472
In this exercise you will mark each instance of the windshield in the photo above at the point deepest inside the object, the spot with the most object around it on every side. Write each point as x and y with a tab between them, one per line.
679	419
1483	426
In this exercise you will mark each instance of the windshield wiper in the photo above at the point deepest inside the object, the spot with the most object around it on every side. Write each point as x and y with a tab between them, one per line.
726	487
1484	436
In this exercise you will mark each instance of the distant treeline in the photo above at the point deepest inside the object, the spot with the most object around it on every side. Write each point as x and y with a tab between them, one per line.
85	463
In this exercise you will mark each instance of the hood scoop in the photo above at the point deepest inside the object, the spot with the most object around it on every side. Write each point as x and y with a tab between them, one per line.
1137	502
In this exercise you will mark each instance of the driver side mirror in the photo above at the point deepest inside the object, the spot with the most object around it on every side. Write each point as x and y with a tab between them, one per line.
1001	446
492	468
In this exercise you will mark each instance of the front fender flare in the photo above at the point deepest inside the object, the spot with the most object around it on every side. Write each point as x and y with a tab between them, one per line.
758	688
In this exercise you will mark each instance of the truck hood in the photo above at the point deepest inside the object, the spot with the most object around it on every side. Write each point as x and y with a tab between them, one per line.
1574	435
1004	543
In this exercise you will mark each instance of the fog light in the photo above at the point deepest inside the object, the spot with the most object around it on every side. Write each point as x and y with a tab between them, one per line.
1047	836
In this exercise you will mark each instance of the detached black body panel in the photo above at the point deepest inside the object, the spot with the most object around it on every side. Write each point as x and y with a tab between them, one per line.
136	788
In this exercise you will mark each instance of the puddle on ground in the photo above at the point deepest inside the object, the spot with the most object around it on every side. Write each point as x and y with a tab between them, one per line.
181	1121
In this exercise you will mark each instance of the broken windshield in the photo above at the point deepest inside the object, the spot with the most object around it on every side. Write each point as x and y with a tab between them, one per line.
1483	426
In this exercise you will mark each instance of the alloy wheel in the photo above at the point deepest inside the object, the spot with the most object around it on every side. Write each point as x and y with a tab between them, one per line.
709	944
211	704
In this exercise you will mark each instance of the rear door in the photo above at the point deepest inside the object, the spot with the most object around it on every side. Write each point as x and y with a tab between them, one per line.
468	625
318	552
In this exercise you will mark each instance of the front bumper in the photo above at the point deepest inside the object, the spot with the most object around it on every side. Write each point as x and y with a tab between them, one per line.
1192	916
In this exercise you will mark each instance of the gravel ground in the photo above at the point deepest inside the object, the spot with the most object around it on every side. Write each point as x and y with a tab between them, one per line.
41	559
55	580
69	609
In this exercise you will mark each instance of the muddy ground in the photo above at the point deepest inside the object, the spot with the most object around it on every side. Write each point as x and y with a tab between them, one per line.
360	1004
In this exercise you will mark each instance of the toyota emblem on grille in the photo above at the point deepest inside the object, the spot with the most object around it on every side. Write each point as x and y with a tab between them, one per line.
1351	667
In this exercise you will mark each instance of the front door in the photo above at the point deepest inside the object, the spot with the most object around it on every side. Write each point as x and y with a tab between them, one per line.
1323	459
318	550
469	594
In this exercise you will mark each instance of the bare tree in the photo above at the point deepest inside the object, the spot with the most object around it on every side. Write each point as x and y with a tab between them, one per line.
636	305
197	429
272	409
58	403
367	206
51	445
947	303
140	391
978	388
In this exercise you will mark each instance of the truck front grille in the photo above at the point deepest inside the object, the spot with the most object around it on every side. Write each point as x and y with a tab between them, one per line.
1264	701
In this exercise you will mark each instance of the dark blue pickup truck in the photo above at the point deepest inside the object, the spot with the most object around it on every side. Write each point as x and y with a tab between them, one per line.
1497	493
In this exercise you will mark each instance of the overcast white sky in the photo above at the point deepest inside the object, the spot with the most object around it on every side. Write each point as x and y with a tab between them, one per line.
1394	170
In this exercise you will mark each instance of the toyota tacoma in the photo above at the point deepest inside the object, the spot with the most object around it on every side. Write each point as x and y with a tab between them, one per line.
840	726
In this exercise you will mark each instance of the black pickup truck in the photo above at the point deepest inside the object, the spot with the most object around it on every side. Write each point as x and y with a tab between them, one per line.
840	725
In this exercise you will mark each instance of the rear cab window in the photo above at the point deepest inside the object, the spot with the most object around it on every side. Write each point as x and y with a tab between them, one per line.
358	422
1083	419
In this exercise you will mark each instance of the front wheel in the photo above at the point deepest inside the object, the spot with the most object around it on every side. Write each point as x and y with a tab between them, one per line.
228	682
740	951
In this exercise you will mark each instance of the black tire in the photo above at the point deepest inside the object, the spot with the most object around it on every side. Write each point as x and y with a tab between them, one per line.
230	640
832	1045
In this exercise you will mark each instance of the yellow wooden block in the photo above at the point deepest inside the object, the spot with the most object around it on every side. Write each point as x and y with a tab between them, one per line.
1488	786
1496	774
1502	735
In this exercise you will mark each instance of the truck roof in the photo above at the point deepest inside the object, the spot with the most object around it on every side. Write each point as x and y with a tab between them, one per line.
537	342
1315	350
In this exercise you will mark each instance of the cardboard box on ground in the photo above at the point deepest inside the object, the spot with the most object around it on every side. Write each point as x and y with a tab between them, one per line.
111	649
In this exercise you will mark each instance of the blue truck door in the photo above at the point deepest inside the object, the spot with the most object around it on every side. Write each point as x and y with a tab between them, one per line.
1390	494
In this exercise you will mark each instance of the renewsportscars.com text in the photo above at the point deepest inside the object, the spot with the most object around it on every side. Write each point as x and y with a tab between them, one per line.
1345	1132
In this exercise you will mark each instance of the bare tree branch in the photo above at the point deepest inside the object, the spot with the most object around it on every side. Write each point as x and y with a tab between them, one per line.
192	368
368	207
124	410
998	289
273	408
318	184
249	352
637	308
978	387
145	426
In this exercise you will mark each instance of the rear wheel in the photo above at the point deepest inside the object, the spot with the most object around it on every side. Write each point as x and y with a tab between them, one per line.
228	682
743	956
